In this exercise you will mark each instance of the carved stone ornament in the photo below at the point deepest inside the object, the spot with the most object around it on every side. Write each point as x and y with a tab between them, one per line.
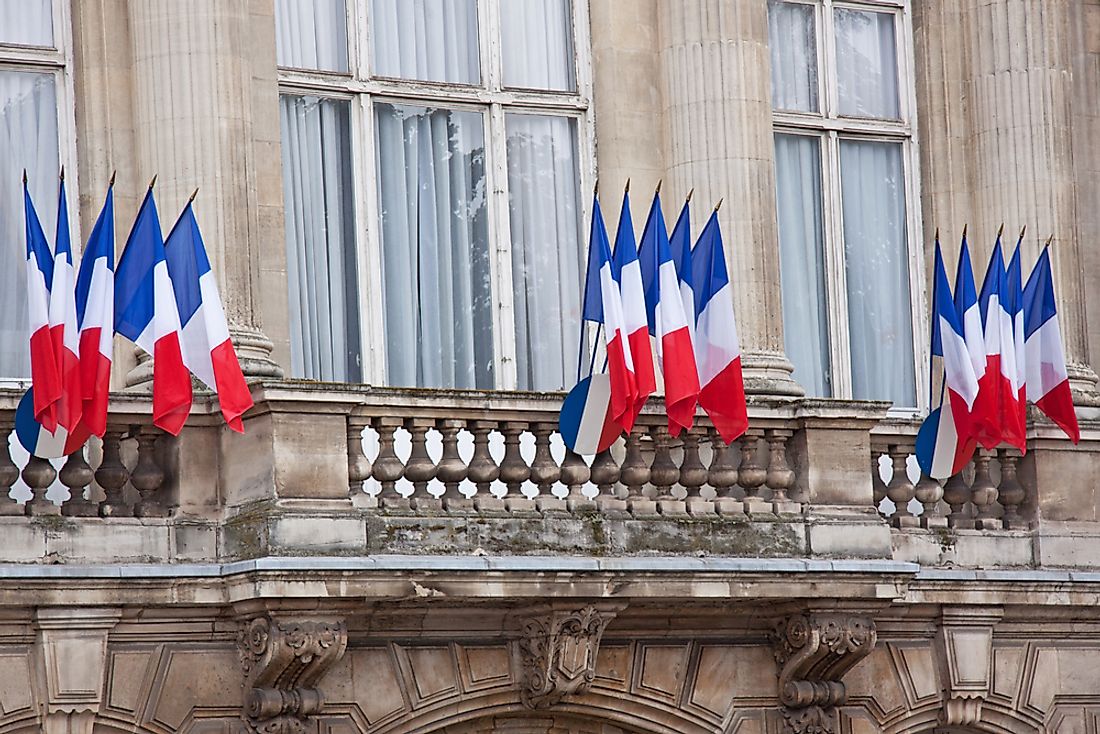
814	651
558	651
283	661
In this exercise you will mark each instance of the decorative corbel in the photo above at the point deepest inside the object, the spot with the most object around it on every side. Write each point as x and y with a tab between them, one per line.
965	646
283	660
558	653
814	651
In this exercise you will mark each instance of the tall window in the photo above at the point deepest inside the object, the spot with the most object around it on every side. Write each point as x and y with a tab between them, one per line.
32	64
841	84
433	152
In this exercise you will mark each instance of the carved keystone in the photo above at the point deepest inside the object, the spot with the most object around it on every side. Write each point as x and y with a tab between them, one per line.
814	651
283	661
558	651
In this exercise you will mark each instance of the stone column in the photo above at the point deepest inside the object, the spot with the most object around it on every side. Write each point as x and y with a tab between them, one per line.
996	111
201	122
715	68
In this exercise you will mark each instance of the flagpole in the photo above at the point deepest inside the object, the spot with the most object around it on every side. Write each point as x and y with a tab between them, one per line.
587	278
931	356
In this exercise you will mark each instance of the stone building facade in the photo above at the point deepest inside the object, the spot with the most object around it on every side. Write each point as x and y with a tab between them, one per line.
402	545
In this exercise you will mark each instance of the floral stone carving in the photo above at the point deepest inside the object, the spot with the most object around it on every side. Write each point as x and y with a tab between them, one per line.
558	651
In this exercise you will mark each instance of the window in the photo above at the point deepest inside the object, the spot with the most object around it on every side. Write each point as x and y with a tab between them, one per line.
845	162
32	93
434	152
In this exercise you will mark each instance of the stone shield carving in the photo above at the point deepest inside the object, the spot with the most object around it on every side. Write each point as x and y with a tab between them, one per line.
558	652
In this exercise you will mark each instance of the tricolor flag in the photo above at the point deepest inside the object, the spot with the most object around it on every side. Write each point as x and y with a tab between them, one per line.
146	314
668	322
207	350
1047	381
1013	300
628	276
45	376
679	243
95	315
63	328
717	351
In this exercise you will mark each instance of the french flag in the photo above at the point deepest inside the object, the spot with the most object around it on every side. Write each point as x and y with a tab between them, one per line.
146	314
1013	300
970	318
95	315
628	275
717	351
63	329
668	321
1047	382
680	245
207	349
45	375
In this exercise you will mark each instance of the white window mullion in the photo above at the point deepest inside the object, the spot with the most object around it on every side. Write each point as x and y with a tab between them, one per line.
836	280
358	61
371	304
504	328
827	49
488	28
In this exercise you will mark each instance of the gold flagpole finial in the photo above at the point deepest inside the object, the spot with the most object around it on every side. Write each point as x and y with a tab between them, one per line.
1049	241
626	189
659	182
1001	230
193	195
964	230
112	181
1022	230
688	199
153	181
719	204
61	177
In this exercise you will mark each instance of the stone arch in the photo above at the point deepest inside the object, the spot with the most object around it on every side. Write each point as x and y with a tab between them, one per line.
995	718
536	722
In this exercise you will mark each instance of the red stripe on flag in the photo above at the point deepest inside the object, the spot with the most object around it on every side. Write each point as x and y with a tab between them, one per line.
681	380
171	385
45	378
645	381
232	390
623	388
724	400
95	381
1058	406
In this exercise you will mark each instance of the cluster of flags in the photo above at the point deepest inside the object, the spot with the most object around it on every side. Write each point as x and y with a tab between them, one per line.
1000	347
675	294
162	296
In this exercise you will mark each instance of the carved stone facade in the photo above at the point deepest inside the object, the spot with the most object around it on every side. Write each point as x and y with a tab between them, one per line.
559	652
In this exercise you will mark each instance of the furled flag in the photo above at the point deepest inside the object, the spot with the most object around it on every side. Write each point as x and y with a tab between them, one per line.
628	275
1047	381
680	244
95	315
668	321
145	313
717	351
207	350
942	448
63	328
45	376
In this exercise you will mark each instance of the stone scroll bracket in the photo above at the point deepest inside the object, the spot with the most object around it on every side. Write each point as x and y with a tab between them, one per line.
964	645
814	651
284	658
557	650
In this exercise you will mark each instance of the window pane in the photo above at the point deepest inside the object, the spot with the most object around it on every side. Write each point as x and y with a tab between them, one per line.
430	40
311	34
877	265
26	22
866	63
28	140
544	201
802	260
793	41
537	44
320	239
435	246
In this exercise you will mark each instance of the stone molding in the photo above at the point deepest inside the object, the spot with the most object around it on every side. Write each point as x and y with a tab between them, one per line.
283	661
558	653
814	651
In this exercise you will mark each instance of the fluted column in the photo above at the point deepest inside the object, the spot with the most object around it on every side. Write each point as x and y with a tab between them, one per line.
718	139
205	102
996	110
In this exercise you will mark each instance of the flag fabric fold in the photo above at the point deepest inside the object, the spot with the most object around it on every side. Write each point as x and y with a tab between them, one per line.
679	243
45	375
1046	380
64	333
95	314
627	273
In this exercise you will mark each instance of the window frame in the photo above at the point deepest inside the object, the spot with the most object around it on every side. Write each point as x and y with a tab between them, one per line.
830	128
494	101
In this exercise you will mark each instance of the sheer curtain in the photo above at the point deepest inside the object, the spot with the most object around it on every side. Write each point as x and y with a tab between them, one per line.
866	63
537	44
435	246
544	199
320	239
802	260
877	265
793	42
311	34
26	22
429	40
28	140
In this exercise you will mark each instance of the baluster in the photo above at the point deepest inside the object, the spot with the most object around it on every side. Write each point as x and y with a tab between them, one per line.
722	475
420	469
664	474
77	475
514	470
878	487
359	466
929	493
112	476
693	475
484	470
39	475
900	490
388	468
751	475
983	494
956	493
147	475
545	471
575	474
1011	492
9	472
634	474
780	478
605	473
451	469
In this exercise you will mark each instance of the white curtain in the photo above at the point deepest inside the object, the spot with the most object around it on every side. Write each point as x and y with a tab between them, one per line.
429	40
793	42
320	239
537	44
866	63
435	247
311	34
26	22
544	204
28	140
877	266
802	260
